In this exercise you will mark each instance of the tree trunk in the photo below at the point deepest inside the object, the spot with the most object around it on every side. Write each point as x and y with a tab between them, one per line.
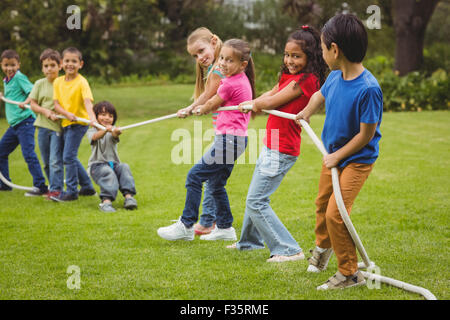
410	21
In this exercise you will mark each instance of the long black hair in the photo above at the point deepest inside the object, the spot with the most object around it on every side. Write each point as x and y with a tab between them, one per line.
308	38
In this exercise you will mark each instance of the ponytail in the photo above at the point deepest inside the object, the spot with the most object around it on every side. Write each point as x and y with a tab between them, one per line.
242	50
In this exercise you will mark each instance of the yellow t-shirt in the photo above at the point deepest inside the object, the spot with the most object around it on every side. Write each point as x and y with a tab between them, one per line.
71	95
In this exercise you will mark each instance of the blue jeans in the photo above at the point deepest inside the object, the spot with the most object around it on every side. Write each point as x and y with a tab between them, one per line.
261	224
111	180
51	147
75	172
23	134
215	166
208	216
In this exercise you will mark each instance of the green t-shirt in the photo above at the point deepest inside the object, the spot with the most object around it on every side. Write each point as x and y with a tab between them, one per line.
42	93
17	89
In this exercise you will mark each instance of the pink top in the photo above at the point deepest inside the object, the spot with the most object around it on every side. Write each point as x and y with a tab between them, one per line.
234	90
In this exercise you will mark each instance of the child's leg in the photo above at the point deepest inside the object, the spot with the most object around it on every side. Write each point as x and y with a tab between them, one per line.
125	179
106	178
270	170
73	135
25	133
208	216
250	237
351	180
44	138
83	178
8	144
56	162
322	200
227	149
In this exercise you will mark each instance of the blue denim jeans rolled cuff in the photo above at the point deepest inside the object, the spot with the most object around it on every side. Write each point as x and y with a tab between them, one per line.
215	167
261	225
208	216
51	148
112	180
22	134
75	172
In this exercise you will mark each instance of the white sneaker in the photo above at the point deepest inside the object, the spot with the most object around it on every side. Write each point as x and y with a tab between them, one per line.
177	231
278	258
220	234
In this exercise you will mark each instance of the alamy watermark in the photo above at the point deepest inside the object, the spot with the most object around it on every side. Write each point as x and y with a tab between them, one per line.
189	148
373	282
374	21
73	22
74	280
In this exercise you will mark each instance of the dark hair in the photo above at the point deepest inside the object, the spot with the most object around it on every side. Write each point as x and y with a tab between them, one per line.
349	34
50	54
73	50
105	107
242	50
10	54
308	38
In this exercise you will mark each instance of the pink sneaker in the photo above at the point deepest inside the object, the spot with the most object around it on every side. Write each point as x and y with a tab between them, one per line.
52	194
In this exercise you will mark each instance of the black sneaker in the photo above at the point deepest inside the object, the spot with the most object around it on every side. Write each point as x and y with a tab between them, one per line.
64	197
5	188
37	192
87	192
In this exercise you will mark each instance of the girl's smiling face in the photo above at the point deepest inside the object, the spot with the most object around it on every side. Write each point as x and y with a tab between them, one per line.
202	52
294	57
229	62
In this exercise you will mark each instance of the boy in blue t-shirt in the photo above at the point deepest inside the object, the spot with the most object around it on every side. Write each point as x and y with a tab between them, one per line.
21	130
351	133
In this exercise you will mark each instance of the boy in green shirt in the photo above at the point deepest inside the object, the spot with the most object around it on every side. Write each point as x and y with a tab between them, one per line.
49	126
21	130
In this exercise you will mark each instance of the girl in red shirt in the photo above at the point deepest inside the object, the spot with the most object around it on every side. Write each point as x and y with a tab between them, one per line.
302	74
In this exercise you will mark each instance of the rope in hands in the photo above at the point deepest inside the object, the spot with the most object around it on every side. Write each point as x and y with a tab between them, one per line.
336	189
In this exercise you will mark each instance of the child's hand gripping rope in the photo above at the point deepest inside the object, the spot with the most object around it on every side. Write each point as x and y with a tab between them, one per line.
54	117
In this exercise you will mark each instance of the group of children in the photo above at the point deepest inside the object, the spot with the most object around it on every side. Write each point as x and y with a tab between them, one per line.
59	139
226	77
354	105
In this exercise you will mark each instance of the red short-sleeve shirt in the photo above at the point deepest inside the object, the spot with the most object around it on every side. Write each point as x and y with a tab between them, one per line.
283	134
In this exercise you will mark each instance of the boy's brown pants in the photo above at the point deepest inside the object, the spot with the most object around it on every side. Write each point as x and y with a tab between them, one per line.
331	231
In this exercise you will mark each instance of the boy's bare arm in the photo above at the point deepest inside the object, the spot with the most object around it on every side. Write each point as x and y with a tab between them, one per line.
314	104
38	109
366	133
22	104
116	132
62	111
98	135
90	110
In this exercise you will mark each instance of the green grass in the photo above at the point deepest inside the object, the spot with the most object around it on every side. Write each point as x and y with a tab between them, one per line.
401	215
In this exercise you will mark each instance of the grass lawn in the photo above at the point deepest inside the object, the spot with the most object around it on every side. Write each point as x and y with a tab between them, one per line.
401	215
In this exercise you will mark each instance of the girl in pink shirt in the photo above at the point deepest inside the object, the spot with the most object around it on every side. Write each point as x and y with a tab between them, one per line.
217	163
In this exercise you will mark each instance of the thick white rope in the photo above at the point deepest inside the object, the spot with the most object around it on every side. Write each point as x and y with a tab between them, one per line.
336	189
33	189
345	216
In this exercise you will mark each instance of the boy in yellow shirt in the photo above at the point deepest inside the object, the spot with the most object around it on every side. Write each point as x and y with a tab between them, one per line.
73	99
